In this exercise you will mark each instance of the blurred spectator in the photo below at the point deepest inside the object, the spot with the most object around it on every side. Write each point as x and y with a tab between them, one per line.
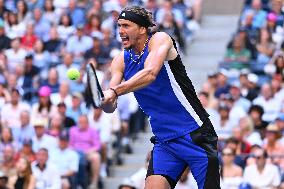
240	101
259	15
249	134
47	175
3	180
41	58
67	64
77	108
238	56
275	65
27	151
24	178
30	79
66	160
43	108
56	126
86	141
3	9
265	47
65	28
41	139
80	84
4	39
7	139
79	43
10	112
41	25
68	122
63	94
29	38
53	46
4	96
14	28
77	13
107	125
262	174
273	146
222	83
270	105
251	89
225	128
255	113
231	173
15	55
52	80
111	21
186	181
108	42
49	13
8	162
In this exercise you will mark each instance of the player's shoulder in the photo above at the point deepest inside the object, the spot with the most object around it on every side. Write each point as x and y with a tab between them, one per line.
160	36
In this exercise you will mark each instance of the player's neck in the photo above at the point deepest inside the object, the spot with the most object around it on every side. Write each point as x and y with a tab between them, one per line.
140	45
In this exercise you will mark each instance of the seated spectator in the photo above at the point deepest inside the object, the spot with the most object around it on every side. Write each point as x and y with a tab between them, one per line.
24	178
77	107
5	41
29	39
85	140
52	80
252	86
222	83
42	26
8	162
270	104
68	122
43	108
225	129
41	139
49	13
13	27
237	56
10	112
265	47
53	46
56	126
249	134
62	95
66	160
47	175
276	64
273	146
97	52
4	95
93	27
77	11
67	64
15	55
41	58
235	91
262	174
3	181
255	113
79	85
7	139
26	151
65	28
231	173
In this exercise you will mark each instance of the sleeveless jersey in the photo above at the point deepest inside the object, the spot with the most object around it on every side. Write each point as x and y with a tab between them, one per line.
170	102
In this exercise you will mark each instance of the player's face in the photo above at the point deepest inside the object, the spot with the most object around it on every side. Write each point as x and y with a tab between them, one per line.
129	33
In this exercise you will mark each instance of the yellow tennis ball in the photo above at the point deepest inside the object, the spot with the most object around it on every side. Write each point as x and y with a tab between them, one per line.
73	74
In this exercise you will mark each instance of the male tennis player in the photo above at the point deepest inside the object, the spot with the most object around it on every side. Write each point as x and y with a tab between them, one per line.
153	70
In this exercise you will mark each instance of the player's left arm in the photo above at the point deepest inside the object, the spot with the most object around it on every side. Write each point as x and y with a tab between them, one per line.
159	47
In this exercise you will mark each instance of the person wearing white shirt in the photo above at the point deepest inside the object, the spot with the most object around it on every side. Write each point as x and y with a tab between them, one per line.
42	140
46	174
10	112
66	160
262	174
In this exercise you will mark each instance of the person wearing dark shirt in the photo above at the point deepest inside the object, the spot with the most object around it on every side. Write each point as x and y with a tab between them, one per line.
4	40
30	78
68	122
97	52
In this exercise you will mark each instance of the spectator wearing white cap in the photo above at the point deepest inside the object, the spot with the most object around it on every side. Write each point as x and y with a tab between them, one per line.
252	89
41	139
240	101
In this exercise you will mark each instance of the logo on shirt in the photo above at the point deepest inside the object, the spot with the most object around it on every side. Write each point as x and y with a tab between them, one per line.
123	14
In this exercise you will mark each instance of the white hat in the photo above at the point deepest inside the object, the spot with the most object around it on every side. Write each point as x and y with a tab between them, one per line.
253	78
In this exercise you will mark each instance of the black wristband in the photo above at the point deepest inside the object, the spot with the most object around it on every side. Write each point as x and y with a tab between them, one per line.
114	92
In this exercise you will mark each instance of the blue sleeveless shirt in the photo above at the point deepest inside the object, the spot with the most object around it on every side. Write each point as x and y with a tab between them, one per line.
170	102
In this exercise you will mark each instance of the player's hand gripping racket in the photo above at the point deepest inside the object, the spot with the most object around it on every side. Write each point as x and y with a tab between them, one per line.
94	88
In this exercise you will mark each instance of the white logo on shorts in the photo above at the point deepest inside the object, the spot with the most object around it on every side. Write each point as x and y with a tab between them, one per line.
123	14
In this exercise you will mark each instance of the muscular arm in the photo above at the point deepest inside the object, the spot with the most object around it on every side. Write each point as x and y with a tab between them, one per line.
159	46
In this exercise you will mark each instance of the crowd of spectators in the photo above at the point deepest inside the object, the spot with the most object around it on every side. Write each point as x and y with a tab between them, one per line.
50	135
245	99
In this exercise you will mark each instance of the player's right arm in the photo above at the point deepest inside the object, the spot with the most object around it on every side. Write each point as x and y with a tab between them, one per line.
117	70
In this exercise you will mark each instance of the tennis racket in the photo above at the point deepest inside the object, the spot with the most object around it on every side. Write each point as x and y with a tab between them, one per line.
93	86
